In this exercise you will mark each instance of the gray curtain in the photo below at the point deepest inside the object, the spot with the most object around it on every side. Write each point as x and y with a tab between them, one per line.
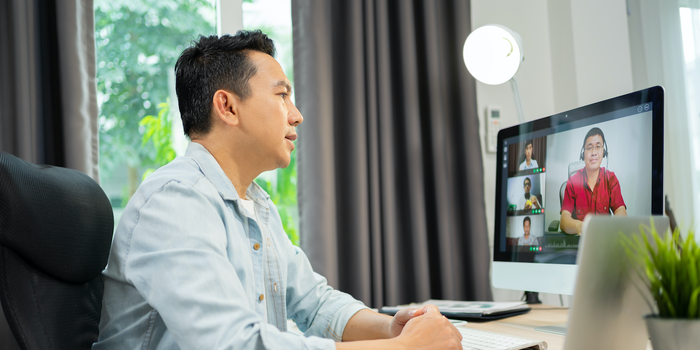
389	157
48	95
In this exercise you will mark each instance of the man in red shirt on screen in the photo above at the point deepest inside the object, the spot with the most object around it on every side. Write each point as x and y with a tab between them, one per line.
593	189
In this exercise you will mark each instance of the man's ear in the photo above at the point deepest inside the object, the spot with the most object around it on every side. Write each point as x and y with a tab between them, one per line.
225	107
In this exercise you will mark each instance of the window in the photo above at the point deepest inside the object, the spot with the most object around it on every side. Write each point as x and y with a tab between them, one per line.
690	29
137	45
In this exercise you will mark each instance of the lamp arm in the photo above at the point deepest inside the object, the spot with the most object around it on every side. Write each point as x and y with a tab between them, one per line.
516	97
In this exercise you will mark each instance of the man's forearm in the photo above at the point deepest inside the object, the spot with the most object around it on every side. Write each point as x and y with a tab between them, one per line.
381	344
621	211
367	325
569	224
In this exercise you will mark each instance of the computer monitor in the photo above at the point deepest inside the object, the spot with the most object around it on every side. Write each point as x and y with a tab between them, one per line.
620	140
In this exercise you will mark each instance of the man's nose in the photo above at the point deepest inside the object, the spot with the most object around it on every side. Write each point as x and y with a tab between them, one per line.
295	117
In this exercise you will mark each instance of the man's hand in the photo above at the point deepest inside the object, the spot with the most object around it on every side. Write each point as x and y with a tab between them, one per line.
426	328
534	202
401	318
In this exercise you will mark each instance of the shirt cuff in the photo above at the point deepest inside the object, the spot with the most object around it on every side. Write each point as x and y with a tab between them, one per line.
338	323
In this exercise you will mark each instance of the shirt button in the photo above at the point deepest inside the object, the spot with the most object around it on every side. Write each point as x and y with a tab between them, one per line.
256	246
262	297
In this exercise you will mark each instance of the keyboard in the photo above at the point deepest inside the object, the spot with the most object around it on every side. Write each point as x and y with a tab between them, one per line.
474	339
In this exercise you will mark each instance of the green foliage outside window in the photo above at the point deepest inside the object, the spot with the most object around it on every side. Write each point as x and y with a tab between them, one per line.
158	131
283	193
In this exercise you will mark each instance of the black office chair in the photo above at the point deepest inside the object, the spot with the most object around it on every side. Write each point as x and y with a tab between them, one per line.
55	235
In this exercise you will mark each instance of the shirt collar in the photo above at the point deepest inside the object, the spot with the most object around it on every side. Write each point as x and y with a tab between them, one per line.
585	175
213	171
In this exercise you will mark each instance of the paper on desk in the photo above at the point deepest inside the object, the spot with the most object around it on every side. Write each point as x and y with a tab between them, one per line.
482	307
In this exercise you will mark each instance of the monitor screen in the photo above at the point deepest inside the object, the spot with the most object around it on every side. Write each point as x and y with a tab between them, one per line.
601	159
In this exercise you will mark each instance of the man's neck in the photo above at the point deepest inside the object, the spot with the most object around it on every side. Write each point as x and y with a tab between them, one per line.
527	161
233	167
527	235
592	176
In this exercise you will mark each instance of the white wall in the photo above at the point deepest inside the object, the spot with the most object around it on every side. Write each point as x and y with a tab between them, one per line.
576	52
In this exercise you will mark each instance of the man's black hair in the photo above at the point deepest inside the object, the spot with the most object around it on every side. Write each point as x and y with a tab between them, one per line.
529	142
527	218
593	132
215	63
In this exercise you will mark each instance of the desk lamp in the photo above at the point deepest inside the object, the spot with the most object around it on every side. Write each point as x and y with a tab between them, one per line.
493	54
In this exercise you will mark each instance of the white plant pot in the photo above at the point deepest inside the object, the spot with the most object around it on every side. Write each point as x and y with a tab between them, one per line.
673	333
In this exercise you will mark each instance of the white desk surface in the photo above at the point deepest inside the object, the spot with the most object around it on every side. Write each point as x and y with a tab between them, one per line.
521	326
524	325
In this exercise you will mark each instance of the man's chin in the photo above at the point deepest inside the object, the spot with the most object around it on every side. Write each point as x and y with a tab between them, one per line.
283	163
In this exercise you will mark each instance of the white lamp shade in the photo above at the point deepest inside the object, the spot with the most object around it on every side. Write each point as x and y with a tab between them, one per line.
493	53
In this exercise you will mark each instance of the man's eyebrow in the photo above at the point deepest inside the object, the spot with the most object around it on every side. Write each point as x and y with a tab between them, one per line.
285	84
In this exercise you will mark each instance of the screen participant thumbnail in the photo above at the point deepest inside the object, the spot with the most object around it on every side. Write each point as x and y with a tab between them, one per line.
525	230
526	192
527	157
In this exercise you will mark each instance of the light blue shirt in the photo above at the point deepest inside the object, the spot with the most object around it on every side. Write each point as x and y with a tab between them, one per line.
523	165
184	271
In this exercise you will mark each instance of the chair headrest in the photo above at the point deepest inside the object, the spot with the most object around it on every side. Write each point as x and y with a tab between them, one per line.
57	219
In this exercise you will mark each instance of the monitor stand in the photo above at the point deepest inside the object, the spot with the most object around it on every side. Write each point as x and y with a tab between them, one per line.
532	298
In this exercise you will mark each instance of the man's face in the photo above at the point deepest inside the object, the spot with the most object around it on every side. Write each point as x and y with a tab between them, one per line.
593	152
268	117
527	185
526	227
528	152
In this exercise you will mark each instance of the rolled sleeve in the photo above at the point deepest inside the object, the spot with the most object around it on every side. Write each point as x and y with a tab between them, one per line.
317	308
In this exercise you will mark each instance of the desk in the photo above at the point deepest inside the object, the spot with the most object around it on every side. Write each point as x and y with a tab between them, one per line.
518	326
524	325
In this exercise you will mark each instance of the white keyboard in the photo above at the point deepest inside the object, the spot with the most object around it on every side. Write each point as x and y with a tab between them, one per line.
473	339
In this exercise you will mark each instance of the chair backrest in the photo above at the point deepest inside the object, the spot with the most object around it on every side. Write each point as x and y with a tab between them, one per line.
56	228
572	169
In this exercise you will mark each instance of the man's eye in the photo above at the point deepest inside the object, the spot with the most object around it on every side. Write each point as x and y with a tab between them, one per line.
284	95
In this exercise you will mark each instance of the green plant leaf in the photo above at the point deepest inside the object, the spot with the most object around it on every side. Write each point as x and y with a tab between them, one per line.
693	304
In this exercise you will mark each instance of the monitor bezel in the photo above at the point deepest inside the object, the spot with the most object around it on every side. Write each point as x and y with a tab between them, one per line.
502	261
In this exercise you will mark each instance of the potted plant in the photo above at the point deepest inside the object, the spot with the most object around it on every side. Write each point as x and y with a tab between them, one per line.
669	267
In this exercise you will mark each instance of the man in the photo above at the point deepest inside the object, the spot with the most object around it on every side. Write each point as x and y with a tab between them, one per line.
591	190
528	201
528	163
526	238
200	259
